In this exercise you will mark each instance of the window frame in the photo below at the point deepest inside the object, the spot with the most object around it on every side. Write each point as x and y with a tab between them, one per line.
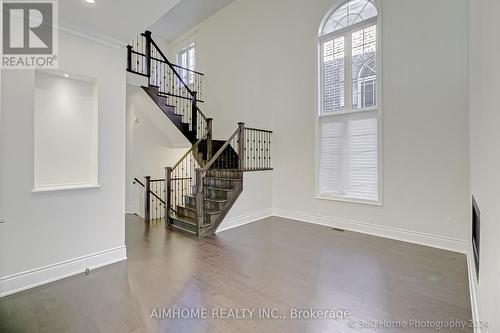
186	76
319	114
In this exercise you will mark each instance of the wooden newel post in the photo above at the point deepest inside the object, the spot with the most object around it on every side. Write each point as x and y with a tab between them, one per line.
209	139
147	198
148	52
129	57
199	199
168	194
241	146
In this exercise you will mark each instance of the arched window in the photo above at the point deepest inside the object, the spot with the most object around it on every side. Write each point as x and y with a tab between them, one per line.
348	159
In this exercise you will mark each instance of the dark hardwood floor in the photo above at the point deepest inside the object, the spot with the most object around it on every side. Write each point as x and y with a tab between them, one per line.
271	264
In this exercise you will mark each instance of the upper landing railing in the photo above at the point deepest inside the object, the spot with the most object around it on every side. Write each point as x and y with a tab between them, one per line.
181	87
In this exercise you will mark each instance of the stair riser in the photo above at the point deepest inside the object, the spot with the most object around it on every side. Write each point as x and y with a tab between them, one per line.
184	225
222	183
186	212
218	206
225	173
208	219
215	194
211	205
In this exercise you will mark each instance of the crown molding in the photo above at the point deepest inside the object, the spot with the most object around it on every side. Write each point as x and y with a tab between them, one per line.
91	35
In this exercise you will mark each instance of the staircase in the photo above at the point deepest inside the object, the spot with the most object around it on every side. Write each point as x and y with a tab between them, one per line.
201	188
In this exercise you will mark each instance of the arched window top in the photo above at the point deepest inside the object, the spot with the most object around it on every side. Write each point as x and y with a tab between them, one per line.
368	69
349	13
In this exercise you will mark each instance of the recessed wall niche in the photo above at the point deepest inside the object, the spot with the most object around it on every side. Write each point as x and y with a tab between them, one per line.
66	132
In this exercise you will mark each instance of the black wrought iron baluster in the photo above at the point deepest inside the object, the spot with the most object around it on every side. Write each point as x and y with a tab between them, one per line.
261	146
250	133
164	78
254	149
179	188
200	88
162	189
231	154
136	55
156	75
172	81
270	152
176	191
266	153
247	149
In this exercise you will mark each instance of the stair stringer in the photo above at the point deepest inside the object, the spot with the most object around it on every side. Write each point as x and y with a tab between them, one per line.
227	207
169	111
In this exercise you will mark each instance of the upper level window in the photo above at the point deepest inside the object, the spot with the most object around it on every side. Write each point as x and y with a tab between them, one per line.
186	58
348	160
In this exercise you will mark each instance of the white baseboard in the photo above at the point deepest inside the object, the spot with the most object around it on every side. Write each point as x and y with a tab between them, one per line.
471	268
440	242
244	219
33	278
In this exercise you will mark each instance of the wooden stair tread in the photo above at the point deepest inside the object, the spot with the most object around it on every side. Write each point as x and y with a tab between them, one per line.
219	188
185	219
208	199
222	178
175	226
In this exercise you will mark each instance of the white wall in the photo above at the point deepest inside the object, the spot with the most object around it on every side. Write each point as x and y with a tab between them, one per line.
260	61
66	131
485	158
54	234
2	232
153	143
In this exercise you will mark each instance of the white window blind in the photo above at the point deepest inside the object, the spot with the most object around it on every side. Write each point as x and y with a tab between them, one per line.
349	156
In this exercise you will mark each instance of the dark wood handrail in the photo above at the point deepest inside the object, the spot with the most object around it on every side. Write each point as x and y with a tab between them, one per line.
153	193
182	178
201	113
220	151
190	150
138	181
187	69
258	130
135	52
171	67
161	60
182	97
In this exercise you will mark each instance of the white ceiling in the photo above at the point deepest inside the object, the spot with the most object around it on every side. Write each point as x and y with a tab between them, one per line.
117	21
185	15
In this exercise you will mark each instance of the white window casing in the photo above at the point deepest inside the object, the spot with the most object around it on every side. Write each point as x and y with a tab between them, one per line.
349	121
